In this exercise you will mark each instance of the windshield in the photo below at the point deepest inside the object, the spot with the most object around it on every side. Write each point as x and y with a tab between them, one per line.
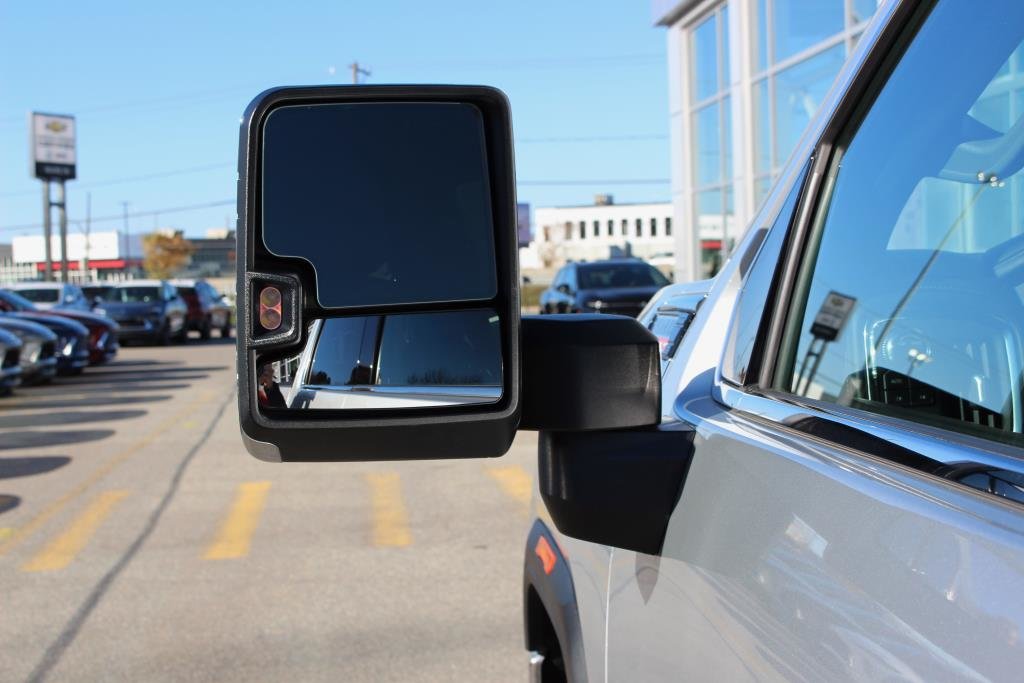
616	275
9	301
134	294
44	295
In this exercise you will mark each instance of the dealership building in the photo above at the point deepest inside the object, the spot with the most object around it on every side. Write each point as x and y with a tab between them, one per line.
745	78
600	230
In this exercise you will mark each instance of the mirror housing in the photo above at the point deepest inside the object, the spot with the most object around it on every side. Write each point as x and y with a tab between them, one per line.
383	434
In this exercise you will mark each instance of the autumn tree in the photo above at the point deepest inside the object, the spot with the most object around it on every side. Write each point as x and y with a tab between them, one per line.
165	253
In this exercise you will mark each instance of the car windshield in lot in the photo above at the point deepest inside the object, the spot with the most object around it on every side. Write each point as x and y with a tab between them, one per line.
607	276
134	294
43	295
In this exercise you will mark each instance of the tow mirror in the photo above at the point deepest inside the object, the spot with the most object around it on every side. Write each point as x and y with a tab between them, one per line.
377	274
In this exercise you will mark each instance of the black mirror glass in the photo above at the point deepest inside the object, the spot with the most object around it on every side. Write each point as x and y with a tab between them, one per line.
385	200
409	360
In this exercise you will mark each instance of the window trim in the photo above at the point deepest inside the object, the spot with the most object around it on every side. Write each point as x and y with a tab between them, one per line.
758	397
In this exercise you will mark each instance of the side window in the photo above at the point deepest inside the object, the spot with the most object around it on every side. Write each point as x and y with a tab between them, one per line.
464	350
669	326
757	294
911	302
344	352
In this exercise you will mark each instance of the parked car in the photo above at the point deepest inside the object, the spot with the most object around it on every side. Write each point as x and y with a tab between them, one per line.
825	482
147	310
207	308
52	295
619	286
38	356
72	343
10	362
103	333
94	293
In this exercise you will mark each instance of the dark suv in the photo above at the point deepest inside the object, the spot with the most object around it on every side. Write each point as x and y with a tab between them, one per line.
207	309
622	286
147	310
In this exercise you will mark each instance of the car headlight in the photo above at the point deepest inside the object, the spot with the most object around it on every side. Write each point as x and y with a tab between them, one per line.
596	304
99	311
31	350
68	346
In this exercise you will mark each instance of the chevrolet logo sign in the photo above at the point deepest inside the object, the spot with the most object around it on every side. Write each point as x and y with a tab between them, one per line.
56	126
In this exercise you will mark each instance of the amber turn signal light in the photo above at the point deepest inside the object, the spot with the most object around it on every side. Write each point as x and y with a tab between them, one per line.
270	308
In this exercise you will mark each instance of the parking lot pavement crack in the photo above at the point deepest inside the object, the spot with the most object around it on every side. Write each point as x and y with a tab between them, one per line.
67	636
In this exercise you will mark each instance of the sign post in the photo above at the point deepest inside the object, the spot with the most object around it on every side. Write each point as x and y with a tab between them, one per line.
54	159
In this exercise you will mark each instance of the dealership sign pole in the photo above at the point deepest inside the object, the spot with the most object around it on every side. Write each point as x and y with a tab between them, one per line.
54	159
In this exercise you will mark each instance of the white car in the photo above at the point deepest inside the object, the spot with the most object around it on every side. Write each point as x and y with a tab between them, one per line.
47	295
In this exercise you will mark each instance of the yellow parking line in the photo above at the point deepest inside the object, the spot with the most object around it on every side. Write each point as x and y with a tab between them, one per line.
65	547
235	534
514	481
19	534
390	522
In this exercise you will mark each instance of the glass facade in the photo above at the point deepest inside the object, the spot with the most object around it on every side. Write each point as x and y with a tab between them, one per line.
798	47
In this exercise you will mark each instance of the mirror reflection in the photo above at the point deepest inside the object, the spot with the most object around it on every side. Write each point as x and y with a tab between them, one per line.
381	198
408	360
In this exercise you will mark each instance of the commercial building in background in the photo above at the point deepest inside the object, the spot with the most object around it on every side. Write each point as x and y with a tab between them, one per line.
214	255
745	78
106	254
601	230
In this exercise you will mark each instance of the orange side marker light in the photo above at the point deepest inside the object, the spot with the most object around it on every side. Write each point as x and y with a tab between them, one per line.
546	554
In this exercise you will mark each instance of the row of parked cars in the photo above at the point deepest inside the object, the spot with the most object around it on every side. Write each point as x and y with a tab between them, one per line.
53	328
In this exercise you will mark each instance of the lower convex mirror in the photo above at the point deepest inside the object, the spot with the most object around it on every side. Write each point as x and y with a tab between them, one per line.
407	360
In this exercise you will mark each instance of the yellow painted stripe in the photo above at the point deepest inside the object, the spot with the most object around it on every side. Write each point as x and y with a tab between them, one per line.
19	534
514	481
390	521
65	547
235	534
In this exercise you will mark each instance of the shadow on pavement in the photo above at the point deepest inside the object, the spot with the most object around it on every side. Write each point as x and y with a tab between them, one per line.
100	388
8	502
136	363
114	379
27	467
15	404
33	439
70	417
166	373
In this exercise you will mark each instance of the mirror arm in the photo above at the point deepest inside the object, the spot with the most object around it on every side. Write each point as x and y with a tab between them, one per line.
589	372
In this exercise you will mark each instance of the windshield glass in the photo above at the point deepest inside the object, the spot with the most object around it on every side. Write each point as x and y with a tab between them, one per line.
613	275
45	295
134	294
9	301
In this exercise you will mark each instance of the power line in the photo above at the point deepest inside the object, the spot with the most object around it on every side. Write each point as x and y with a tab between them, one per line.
132	179
134	214
226	202
156	175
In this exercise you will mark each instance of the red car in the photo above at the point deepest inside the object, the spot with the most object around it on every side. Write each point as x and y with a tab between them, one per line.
207	309
103	332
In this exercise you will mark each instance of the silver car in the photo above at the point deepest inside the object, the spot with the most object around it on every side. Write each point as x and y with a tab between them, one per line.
38	356
10	362
848	502
47	295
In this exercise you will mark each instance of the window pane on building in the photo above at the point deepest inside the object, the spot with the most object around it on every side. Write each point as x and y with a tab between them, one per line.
800	24
705	59
708	138
762	35
863	10
727	138
762	128
798	92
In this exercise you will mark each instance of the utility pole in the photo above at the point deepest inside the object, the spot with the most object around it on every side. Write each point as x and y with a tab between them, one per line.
127	239
356	71
88	228
47	233
62	214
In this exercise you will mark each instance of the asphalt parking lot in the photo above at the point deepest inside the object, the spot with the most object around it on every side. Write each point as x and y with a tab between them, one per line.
138	541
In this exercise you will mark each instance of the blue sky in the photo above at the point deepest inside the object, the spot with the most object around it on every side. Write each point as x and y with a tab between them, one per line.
158	88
